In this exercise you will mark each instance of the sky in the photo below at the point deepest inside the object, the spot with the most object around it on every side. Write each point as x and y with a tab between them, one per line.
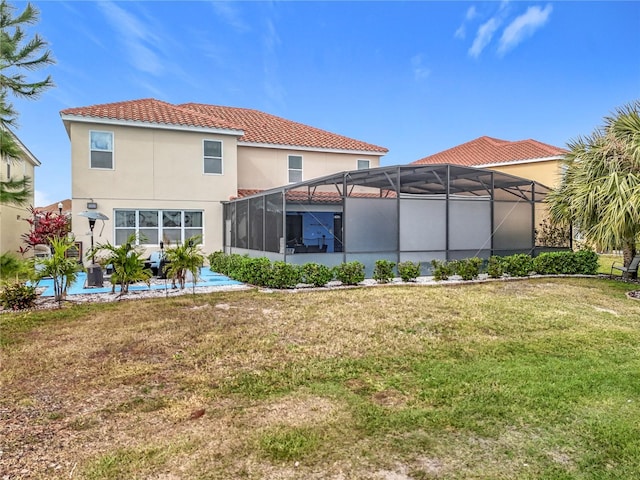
416	77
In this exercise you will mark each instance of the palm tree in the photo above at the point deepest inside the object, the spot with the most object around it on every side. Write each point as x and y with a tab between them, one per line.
17	55
127	262
600	191
184	258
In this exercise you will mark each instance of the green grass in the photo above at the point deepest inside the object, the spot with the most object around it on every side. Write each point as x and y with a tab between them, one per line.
526	379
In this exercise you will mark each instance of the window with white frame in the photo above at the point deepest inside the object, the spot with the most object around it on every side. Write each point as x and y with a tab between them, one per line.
101	150
364	164
295	168
212	157
152	226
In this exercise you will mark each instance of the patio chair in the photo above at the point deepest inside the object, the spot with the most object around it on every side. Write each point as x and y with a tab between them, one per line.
628	272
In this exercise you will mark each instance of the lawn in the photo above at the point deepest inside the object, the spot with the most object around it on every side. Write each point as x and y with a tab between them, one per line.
528	379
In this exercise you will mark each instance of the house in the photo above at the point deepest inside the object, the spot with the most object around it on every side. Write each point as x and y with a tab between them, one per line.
161	171
12	223
524	158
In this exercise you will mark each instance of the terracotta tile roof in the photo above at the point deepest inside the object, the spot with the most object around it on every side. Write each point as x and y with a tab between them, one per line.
66	207
150	110
256	126
260	127
318	197
489	151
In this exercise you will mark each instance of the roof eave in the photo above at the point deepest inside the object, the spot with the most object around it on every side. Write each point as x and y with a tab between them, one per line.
519	162
30	156
312	149
66	118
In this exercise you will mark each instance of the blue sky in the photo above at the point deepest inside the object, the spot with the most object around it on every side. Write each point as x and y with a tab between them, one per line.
415	77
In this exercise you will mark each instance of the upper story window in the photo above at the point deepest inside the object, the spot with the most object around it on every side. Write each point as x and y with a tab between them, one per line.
101	150
213	157
8	170
364	164
295	168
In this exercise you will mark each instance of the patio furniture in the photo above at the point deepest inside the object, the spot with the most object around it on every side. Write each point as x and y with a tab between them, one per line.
628	272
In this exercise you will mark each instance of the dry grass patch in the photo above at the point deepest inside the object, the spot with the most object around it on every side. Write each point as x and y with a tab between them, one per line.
527	379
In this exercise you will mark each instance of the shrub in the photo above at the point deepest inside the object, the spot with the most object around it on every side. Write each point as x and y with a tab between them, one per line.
467	268
587	262
408	271
235	266
257	271
18	296
583	262
316	274
12	267
284	275
518	265
219	262
350	273
383	271
442	270
495	267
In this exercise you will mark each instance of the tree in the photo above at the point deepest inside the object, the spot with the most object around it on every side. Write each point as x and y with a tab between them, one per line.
61	269
127	262
600	190
182	259
17	55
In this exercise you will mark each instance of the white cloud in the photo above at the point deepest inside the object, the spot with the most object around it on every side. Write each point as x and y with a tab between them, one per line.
230	15
42	199
484	36
420	72
523	27
139	40
461	32
272	86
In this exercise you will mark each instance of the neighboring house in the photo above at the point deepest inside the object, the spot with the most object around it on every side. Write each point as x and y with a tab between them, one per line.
161	170
12	223
524	158
65	205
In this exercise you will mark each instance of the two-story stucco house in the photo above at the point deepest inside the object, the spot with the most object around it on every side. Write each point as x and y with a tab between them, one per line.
161	170
12	217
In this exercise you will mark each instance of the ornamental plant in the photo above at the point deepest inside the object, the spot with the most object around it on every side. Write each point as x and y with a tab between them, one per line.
61	269
44	226
127	263
409	271
183	259
316	274
350	273
383	271
18	296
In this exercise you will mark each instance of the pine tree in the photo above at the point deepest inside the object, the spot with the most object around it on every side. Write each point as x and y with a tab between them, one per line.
18	54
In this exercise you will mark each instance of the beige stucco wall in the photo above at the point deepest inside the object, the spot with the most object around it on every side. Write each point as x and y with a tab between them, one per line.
548	172
155	169
264	168
12	223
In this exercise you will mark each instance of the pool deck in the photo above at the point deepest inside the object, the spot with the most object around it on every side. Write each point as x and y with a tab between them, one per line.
207	279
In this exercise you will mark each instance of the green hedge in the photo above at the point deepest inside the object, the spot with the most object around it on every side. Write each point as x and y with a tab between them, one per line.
262	272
